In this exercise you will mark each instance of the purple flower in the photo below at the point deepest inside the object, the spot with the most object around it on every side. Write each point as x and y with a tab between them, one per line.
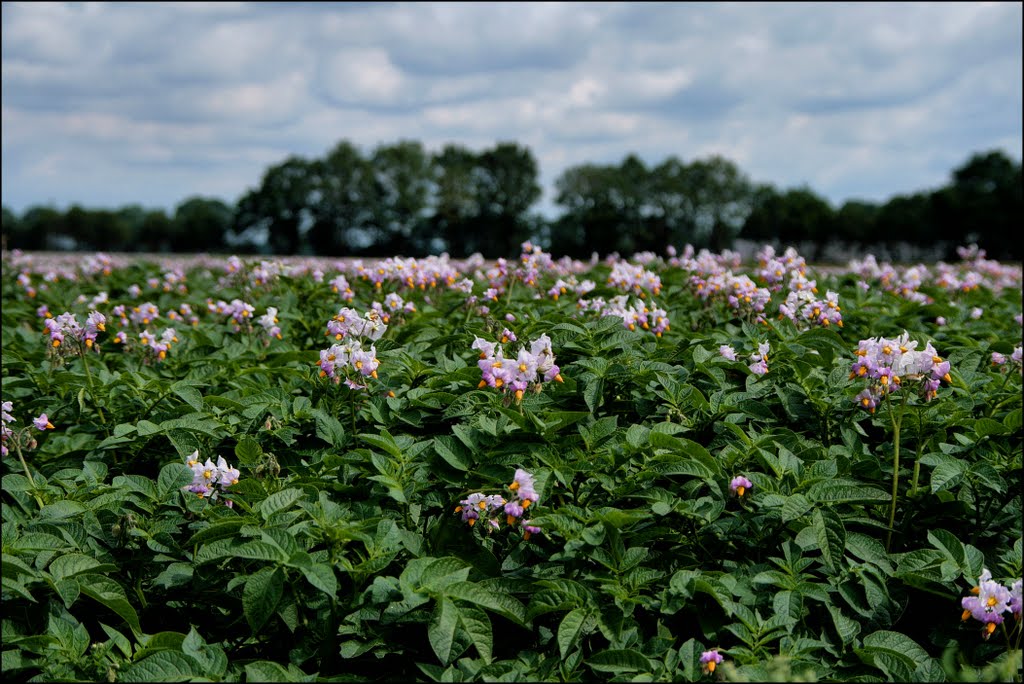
867	400
512	511
709	660
522	484
42	422
988	604
228	475
759	367
728	352
740	485
1015	599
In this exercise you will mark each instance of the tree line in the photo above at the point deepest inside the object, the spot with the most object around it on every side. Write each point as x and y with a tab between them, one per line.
401	199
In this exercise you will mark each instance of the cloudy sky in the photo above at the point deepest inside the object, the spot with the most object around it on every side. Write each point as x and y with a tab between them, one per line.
106	104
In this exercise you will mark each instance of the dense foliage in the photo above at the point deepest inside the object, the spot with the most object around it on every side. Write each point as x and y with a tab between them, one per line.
666	468
401	199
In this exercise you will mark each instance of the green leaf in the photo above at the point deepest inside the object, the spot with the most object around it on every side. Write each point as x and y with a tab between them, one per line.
441	630
846	491
222	529
263	590
831	536
951	546
478	626
146	428
593	392
162	666
110	594
571	630
329	428
441	573
984	427
267	671
69	590
895	654
617	661
259	550
947	474
321	576
172	478
385	442
495	601
211	657
71	564
636	436
62	509
447	449
795	506
279	501
174	575
190	395
248	451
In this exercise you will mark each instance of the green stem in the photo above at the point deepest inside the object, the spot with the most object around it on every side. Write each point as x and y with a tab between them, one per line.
145	413
511	285
28	473
917	458
92	386
896	423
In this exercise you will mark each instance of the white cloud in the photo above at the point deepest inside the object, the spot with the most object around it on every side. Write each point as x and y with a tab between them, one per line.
110	100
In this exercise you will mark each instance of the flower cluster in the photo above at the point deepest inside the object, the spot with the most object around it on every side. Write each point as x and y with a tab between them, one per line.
348	323
562	287
494	508
710	280
635	279
904	283
94	303
66	327
889	365
155	348
239	312
347	359
772	270
745	296
989	601
1012	361
758	360
9	436
341	361
531	367
804	307
409	272
393	304
185	314
207	476
269	323
340	286
173	280
141	315
652	318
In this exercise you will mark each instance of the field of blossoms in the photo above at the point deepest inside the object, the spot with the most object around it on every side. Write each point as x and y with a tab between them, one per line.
674	467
